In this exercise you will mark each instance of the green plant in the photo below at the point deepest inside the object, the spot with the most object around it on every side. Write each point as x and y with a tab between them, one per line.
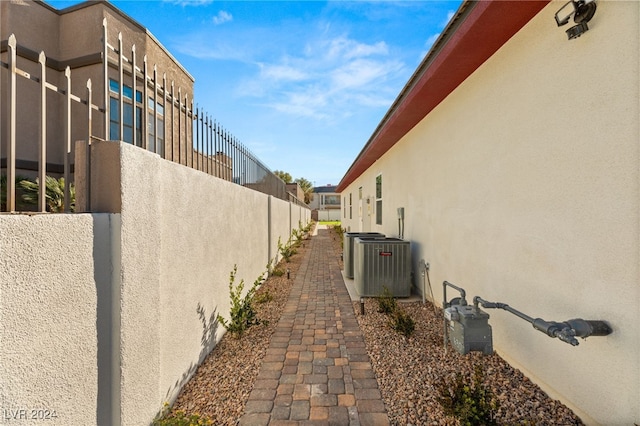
3	193
296	237
278	272
386	303
54	193
472	403
309	227
180	418
286	250
263	297
242	314
339	230
403	323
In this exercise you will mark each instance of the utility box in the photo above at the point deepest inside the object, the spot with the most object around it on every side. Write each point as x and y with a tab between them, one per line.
382	262
469	329
347	248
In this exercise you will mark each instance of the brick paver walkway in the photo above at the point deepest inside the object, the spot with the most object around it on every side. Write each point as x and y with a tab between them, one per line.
316	370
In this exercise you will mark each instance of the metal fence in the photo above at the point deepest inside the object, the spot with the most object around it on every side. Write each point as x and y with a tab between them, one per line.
138	106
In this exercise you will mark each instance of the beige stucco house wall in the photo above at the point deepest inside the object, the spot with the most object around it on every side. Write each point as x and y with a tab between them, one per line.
522	187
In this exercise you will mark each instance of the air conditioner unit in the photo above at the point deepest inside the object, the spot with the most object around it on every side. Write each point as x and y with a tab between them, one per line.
382	262
347	248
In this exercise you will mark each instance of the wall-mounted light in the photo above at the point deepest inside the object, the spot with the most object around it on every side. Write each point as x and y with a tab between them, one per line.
581	10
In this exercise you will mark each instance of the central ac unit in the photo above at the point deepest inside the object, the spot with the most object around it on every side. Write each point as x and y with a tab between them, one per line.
347	247
380	263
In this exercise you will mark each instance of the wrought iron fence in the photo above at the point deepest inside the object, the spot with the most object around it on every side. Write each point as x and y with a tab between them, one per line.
138	106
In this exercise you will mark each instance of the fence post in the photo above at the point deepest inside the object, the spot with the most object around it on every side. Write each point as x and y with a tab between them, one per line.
88	151
179	125
134	97
67	138
164	115
173	112
156	148
11	148
105	79
120	91
145	104
42	157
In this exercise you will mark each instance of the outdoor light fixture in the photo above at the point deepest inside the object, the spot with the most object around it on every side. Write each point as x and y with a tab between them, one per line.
582	12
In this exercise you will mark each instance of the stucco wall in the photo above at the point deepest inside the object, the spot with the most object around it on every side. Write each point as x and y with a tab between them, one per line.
182	232
53	273
523	187
104	316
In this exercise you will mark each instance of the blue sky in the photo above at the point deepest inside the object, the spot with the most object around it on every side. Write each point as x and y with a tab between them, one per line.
302	84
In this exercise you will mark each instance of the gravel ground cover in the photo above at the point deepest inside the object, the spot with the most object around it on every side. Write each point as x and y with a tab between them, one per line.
409	370
220	387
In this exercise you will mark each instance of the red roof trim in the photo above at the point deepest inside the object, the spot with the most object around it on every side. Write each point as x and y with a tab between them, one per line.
488	26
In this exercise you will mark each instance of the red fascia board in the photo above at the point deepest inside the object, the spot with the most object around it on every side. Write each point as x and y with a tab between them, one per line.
489	25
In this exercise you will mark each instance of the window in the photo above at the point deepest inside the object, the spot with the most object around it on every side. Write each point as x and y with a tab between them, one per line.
379	200
350	206
344	208
127	113
331	200
155	121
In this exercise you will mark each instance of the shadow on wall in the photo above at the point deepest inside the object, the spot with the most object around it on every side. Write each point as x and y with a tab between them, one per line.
207	343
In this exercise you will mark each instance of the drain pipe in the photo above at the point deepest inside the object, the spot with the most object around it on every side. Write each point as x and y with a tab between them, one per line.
566	331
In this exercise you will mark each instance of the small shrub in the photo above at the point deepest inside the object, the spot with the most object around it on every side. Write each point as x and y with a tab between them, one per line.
265	297
296	237
339	230
278	272
386	303
472	403
242	313
286	250
180	418
403	323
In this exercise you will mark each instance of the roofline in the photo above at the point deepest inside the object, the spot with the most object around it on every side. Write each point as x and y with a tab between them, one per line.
454	57
107	3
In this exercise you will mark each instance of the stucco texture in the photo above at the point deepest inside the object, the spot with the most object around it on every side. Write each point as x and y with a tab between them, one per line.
522	187
181	234
48	317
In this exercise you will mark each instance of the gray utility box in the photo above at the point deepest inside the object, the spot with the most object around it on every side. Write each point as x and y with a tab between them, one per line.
347	248
469	329
382	262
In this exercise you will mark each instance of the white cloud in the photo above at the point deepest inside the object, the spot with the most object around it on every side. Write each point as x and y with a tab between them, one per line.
320	76
345	48
281	72
361	73
432	39
327	79
222	17
450	14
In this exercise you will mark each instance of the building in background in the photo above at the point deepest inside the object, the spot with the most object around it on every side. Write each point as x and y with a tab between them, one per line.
114	82
147	118
325	204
